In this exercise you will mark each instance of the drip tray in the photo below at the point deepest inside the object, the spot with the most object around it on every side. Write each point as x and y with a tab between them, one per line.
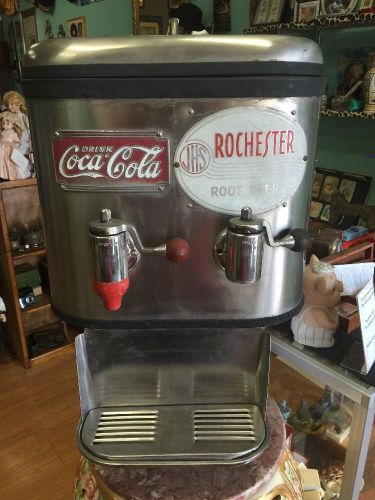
172	434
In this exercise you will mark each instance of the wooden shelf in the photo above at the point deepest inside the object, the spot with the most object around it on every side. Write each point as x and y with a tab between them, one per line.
346	114
42	302
321	23
23	205
39	252
18	184
51	353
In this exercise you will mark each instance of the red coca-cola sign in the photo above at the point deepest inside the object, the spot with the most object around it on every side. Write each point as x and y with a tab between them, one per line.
110	160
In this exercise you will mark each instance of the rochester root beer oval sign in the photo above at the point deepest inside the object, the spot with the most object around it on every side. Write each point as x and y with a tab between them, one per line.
245	156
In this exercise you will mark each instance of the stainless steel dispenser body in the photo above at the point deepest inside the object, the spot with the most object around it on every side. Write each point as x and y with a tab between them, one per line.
209	125
177	170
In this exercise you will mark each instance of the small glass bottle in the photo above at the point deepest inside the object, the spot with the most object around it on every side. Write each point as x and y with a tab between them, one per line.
369	86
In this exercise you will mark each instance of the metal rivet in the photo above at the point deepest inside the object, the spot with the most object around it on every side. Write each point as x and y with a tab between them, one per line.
285	204
176	164
293	112
305	158
161	188
191	111
57	133
189	205
159	134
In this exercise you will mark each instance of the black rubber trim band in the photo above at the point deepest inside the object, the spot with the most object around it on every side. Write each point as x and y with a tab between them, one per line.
143	88
178	323
180	69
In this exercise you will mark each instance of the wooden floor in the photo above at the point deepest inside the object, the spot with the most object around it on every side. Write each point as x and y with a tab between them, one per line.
39	411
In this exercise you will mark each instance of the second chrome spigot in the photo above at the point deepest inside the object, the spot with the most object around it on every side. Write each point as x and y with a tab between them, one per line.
238	249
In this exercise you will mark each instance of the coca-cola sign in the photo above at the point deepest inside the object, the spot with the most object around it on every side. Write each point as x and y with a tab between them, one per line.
106	160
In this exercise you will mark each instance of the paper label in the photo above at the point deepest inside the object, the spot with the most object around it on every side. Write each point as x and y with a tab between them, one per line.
244	156
366	306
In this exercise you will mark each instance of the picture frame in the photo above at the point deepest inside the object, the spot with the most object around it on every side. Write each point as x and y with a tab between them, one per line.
29	29
269	11
365	5
337	7
308	10
76	27
352	186
275	11
150	25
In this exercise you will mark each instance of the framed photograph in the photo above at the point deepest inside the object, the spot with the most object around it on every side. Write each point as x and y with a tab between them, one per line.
29	28
315	209
150	25
366	4
275	11
261	14
317	185
76	27
347	188
325	213
308	10
269	11
352	186
337	7
329	187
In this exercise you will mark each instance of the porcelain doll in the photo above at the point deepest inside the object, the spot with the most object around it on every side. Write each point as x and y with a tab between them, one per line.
10	140
16	104
316	323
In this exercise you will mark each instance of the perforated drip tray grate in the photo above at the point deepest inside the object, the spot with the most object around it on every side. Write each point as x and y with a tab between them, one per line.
172	434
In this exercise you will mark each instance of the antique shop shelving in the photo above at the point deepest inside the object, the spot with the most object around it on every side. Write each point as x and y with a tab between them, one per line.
19	202
318	26
321	23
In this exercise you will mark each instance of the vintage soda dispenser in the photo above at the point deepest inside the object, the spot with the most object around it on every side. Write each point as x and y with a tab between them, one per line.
175	177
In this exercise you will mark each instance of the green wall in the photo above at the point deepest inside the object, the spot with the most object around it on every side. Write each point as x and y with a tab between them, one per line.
105	18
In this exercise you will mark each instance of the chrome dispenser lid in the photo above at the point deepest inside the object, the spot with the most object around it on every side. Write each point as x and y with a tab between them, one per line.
245	224
106	226
136	56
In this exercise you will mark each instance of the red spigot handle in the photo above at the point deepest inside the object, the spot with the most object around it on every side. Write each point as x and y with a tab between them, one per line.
177	250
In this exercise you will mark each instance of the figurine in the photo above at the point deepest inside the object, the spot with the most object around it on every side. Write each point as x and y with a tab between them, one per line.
48	29
12	166
316	323
324	405
284	410
301	420
61	31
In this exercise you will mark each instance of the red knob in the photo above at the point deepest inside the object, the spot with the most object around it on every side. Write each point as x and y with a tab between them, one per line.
177	250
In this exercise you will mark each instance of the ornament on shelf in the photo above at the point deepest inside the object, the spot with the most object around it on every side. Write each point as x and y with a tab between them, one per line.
16	158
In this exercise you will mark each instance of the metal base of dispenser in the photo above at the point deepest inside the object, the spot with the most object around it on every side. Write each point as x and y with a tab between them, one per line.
203	434
181	397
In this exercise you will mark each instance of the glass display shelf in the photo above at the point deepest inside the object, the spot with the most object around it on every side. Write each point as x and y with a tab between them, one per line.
350	384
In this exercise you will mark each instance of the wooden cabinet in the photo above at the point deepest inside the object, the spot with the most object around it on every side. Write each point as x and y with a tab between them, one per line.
19	204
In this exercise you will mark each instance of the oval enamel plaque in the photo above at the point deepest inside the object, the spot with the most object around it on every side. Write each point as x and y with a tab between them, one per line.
244	156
